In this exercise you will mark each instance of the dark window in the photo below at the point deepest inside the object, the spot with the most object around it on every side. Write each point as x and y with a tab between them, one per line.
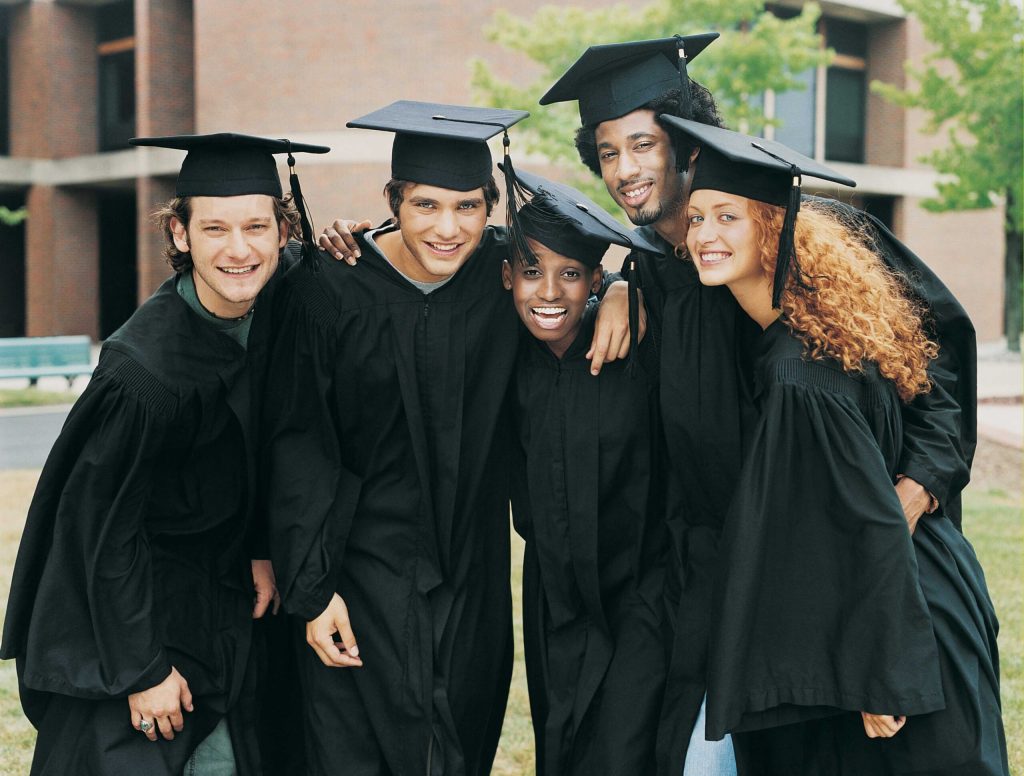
847	38
115	25
12	269
118	255
844	115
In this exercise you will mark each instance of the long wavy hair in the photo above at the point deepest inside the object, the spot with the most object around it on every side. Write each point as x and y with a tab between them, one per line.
844	302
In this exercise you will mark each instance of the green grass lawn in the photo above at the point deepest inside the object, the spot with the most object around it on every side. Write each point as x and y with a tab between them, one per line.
993	519
33	397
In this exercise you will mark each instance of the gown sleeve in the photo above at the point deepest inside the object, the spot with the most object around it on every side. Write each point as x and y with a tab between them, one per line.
818	607
81	604
309	494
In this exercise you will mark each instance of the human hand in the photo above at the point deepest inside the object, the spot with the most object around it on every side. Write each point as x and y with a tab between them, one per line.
160	707
914	499
338	241
882	725
265	585
611	329
320	636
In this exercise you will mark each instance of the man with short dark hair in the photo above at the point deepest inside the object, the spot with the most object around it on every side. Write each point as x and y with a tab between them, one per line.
706	403
131	608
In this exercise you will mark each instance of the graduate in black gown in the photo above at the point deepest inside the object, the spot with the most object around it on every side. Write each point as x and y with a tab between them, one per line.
586	498
625	92
131	607
841	642
388	442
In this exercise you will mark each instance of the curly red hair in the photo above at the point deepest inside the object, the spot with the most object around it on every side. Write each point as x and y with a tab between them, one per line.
843	302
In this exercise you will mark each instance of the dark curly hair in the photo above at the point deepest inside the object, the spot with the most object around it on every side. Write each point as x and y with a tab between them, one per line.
181	209
394	192
703	109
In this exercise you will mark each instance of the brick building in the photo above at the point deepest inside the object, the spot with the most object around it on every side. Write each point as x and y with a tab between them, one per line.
78	77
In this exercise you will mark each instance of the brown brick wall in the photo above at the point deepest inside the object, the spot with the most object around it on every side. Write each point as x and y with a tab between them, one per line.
62	272
965	249
165	97
151	266
53	71
885	136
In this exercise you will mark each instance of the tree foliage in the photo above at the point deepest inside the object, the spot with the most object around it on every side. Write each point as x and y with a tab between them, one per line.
10	217
756	52
972	88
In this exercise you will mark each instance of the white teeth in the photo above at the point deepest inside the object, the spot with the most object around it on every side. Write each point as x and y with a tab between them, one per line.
443	246
237	270
636	193
549	310
710	258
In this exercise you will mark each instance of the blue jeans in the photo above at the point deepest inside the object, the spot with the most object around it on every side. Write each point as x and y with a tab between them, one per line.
214	755
708	758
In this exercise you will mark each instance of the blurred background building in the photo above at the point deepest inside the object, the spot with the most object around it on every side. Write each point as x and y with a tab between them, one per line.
79	77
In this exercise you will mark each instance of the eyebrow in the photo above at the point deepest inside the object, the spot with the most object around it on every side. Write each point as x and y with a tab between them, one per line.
255	219
472	201
635	136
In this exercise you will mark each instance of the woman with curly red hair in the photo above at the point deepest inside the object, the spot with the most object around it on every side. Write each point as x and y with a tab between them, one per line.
840	643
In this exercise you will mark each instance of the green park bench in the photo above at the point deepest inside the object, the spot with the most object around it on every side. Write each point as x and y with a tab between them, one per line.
35	357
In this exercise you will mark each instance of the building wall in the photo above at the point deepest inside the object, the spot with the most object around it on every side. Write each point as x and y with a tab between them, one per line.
281	69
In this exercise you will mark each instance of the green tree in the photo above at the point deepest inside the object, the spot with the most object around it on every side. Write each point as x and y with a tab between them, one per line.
972	88
12	217
757	52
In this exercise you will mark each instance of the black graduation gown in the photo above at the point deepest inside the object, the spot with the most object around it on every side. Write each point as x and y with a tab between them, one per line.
704	340
388	447
136	552
824	603
586	502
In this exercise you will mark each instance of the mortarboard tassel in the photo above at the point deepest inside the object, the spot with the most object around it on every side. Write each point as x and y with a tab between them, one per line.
515	197
685	109
633	292
786	258
308	250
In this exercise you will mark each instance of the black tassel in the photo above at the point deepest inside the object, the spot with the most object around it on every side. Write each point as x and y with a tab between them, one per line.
685	107
515	197
633	293
308	250
786	259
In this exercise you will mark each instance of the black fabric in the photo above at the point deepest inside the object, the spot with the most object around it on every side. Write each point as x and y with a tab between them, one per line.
612	79
227	164
704	341
440	145
387	470
747	155
136	552
825	604
716	171
587	502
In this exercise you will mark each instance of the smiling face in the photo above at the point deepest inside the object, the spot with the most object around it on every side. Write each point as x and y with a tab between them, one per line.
638	166
439	228
235	244
551	295
722	240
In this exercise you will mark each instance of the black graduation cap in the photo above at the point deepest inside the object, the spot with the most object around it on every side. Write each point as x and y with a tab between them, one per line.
569	223
613	79
441	145
227	164
758	169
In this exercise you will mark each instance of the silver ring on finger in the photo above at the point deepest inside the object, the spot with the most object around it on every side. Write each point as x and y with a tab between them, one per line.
145	726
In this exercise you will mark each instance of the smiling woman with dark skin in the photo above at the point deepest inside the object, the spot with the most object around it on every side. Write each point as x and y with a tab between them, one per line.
585	495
